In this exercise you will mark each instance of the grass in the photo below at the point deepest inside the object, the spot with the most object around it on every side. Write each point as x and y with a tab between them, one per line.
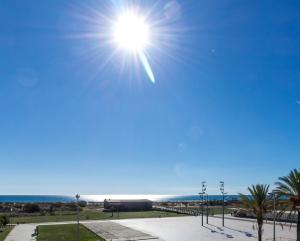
216	210
91	215
66	232
5	232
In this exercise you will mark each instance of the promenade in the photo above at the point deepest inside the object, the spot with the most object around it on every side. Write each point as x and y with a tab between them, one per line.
177	229
22	232
189	228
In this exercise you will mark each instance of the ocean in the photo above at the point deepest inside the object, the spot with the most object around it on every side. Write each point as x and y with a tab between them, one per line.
100	198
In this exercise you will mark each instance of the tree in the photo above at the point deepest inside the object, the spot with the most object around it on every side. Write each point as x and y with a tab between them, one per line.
3	220
82	204
289	187
258	203
31	208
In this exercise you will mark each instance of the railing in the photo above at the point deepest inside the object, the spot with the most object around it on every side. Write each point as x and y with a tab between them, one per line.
290	217
181	210
280	239
286	216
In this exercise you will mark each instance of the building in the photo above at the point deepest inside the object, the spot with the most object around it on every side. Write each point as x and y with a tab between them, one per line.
127	205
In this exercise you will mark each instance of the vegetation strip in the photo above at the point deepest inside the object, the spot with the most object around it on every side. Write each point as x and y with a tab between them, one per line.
67	232
4	232
92	215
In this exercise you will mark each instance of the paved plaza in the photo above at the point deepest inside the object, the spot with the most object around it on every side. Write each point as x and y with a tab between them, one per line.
171	229
22	232
190	229
115	232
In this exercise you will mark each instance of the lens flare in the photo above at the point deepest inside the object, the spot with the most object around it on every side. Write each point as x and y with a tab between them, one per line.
147	66
131	32
128	36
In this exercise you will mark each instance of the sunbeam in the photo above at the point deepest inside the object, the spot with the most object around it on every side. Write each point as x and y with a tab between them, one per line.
129	35
132	33
147	66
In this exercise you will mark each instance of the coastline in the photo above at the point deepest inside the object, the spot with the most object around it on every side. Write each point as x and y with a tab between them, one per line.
100	198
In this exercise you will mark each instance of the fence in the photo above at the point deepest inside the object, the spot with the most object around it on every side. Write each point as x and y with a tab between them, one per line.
181	210
280	239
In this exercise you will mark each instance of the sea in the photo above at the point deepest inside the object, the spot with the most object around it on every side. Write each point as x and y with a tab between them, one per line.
100	198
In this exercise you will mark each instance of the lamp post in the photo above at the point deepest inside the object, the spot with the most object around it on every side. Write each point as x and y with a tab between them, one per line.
206	208
200	196
222	189
11	215
77	198
274	197
274	216
203	184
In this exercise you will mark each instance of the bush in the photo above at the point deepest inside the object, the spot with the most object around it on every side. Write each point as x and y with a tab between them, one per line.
31	208
82	204
3	220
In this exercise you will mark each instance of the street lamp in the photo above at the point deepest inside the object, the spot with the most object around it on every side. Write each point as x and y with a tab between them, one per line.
222	189
207	210
77	198
203	184
11	215
201	199
274	197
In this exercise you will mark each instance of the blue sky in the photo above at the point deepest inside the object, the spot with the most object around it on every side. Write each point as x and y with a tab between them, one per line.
225	105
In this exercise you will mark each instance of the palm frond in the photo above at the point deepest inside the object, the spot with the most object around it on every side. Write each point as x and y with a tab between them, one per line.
289	186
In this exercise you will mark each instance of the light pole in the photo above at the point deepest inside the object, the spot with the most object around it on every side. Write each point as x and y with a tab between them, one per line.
206	208
274	196
203	184
222	189
77	198
11	215
274	216
200	196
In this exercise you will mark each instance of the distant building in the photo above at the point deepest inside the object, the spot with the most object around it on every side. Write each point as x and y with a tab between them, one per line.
127	205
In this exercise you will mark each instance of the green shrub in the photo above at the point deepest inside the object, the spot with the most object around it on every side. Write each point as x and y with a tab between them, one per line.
3	220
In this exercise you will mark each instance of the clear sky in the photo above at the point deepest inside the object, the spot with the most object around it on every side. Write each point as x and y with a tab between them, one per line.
225	104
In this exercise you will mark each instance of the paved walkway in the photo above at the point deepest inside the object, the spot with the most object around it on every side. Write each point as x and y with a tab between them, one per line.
228	216
116	232
22	232
189	228
178	229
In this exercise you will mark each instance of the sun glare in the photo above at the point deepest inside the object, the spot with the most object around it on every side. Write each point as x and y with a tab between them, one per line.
131	32
131	35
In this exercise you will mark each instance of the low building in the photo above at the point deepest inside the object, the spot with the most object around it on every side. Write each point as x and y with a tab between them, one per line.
127	205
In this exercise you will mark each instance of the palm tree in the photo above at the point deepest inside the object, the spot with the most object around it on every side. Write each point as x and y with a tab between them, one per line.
258	203
289	187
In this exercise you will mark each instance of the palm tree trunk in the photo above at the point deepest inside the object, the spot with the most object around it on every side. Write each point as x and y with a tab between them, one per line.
260	224
259	233
298	227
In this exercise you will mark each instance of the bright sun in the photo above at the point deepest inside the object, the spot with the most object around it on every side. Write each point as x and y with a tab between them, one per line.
131	32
